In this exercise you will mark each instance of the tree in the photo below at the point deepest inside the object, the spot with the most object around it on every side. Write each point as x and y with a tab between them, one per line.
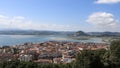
115	53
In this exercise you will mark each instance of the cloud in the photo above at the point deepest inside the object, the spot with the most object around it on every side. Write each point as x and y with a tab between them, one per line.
104	21
107	1
20	22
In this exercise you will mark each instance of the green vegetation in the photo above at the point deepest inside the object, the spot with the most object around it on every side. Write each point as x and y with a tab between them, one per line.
84	59
80	33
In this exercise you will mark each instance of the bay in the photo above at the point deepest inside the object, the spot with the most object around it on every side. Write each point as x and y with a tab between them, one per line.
21	39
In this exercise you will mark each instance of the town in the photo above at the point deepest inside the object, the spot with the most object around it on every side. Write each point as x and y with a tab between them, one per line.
47	52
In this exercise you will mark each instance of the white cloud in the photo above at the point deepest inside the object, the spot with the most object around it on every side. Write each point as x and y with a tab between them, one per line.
19	22
107	1
104	21
2	16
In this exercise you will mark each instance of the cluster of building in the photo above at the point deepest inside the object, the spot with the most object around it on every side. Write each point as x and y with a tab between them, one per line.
47	52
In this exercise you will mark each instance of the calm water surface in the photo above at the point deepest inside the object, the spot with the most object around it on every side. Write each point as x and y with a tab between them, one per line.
21	39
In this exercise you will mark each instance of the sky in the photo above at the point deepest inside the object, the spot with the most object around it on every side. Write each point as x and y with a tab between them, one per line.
60	15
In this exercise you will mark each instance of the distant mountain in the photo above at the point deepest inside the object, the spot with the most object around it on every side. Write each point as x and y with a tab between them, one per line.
33	32
97	34
104	34
78	33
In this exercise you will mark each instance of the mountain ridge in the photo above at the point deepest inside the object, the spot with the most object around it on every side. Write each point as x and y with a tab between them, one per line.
46	32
